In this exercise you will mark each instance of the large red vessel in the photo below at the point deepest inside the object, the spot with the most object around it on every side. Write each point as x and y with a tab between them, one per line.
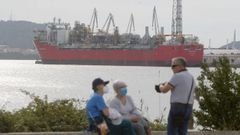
61	44
159	56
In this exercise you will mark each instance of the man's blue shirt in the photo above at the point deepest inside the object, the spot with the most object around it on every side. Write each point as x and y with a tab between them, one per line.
95	106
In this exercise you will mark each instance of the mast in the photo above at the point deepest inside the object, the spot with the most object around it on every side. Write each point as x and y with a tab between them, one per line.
173	19
179	18
177	28
234	39
235	36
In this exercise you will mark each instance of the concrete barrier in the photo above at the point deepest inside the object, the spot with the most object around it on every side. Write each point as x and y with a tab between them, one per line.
154	133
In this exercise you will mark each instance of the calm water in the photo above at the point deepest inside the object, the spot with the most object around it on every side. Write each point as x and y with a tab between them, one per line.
74	81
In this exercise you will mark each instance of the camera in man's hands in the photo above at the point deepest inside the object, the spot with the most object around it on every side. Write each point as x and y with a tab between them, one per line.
157	88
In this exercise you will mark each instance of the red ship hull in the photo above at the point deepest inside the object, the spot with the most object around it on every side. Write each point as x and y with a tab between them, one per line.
161	56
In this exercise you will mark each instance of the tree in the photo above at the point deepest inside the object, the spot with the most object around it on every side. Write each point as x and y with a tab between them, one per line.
218	94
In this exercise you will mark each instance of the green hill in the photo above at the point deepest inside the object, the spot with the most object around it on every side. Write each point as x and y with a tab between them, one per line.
18	34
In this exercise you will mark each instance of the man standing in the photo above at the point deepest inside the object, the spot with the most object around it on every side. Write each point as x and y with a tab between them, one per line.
182	87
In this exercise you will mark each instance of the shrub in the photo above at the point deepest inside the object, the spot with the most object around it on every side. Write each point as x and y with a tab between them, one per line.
41	116
158	125
218	93
6	121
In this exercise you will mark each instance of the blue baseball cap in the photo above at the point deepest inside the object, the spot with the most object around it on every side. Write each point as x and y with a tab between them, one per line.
98	81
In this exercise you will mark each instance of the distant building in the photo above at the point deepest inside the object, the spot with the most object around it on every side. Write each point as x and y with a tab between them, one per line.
230	50
212	55
232	45
7	52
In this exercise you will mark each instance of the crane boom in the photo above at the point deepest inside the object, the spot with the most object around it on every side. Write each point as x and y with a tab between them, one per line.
108	22
131	25
155	23
94	20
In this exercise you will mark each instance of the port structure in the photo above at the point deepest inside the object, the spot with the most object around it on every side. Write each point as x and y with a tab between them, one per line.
177	28
82	36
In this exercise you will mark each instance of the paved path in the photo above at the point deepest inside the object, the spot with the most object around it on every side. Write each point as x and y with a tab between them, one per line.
154	133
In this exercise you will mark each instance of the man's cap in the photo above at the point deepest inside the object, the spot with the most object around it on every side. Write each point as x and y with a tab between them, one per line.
118	85
98	81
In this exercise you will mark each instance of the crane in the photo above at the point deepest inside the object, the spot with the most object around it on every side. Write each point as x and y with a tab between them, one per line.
155	24
107	24
94	20
131	25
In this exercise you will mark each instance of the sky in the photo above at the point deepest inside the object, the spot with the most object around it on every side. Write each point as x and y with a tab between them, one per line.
207	19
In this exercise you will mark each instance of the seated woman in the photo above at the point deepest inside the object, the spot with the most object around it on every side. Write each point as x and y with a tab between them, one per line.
125	105
97	112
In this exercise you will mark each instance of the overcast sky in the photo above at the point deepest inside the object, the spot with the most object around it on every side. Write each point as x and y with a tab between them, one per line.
208	19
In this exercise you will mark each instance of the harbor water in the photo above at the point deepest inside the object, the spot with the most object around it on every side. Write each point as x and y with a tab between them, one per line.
74	81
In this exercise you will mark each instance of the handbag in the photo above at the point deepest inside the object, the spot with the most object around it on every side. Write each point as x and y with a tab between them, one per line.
178	119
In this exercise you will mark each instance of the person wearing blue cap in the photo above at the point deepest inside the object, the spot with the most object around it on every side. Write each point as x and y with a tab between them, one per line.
98	112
